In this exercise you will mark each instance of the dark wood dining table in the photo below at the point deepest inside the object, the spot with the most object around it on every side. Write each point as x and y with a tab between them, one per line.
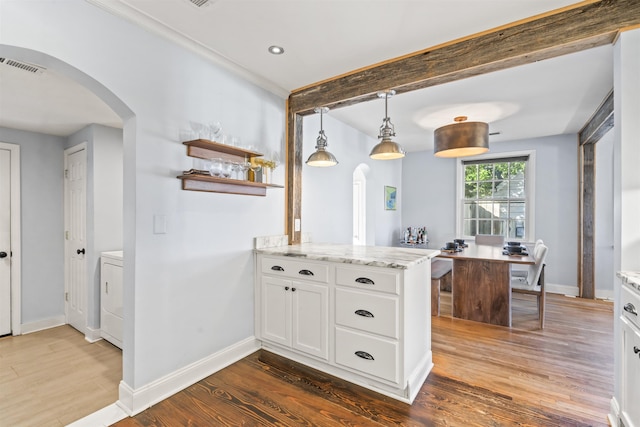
481	283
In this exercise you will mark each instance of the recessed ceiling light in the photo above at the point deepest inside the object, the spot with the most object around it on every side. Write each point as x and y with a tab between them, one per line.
276	50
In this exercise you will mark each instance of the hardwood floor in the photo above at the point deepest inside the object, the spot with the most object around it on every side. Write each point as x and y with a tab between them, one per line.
54	377
483	376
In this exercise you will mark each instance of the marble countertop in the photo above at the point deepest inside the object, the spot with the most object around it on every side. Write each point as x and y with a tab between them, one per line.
376	256
631	278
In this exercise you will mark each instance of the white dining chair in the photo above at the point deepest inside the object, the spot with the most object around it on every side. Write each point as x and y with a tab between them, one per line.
532	281
519	269
489	239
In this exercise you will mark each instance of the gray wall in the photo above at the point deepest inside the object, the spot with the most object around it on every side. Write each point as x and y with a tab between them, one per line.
431	184
327	195
42	186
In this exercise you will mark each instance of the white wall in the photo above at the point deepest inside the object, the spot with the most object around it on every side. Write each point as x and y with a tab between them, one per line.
604	220
626	180
188	293
327	193
42	162
104	204
431	182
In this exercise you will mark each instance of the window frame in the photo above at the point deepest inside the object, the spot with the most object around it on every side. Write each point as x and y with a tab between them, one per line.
530	190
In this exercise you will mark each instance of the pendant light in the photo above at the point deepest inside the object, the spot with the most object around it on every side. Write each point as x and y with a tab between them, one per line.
461	139
321	157
386	149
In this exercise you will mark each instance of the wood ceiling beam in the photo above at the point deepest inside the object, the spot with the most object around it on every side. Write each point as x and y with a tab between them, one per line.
599	124
574	28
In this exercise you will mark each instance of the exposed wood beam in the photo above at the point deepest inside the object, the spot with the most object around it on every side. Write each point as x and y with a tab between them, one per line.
599	124
585	25
574	29
586	249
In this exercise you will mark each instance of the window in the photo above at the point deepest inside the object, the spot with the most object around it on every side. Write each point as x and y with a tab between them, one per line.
496	196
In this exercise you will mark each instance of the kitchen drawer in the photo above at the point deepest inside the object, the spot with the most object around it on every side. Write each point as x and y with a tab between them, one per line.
376	357
630	302
369	312
295	269
369	279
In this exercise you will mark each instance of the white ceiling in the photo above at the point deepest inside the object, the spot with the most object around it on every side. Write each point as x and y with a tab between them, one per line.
325	38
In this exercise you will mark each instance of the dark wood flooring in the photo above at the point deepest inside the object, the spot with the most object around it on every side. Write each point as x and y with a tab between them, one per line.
483	376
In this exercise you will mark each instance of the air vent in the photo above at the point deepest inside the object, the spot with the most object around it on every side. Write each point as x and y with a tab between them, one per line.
200	3
24	66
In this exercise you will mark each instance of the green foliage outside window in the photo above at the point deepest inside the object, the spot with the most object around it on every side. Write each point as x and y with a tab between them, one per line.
495	198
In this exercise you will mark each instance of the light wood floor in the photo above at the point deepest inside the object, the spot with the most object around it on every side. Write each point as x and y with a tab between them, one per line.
483	376
55	377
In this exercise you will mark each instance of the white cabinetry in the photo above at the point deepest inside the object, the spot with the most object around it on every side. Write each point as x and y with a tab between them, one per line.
630	374
295	313
111	297
368	325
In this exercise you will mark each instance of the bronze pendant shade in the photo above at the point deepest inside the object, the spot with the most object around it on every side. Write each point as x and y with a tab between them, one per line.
461	139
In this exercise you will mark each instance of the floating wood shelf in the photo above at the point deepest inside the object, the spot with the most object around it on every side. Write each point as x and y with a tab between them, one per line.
205	149
196	182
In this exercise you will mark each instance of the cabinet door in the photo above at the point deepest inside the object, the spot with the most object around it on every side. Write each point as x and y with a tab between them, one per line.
630	375
310	305
112	288
276	310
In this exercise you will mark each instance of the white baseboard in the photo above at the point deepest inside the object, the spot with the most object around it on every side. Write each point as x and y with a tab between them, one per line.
605	294
614	413
104	417
41	325
135	401
92	335
573	291
554	288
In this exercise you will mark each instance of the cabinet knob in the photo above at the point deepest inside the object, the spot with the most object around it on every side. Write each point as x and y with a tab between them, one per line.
364	355
293	289
629	308
80	251
636	350
286	288
277	268
3	254
365	281
306	272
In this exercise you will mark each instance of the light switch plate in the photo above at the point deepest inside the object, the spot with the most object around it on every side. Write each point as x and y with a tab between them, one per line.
159	224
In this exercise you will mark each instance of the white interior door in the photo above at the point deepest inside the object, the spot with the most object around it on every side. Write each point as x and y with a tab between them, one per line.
5	242
75	237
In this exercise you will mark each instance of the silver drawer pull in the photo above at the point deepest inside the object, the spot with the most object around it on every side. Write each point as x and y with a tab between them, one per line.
306	272
364	313
365	281
364	355
277	268
629	308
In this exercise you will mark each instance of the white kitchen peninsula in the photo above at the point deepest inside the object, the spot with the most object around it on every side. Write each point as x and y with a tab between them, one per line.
361	313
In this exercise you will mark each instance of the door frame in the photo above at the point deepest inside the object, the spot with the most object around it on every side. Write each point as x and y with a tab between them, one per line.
16	249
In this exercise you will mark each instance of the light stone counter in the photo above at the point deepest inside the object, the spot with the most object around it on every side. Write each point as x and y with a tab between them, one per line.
631	278
374	256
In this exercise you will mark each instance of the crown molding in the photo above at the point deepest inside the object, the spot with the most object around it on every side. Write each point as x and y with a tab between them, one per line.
133	15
